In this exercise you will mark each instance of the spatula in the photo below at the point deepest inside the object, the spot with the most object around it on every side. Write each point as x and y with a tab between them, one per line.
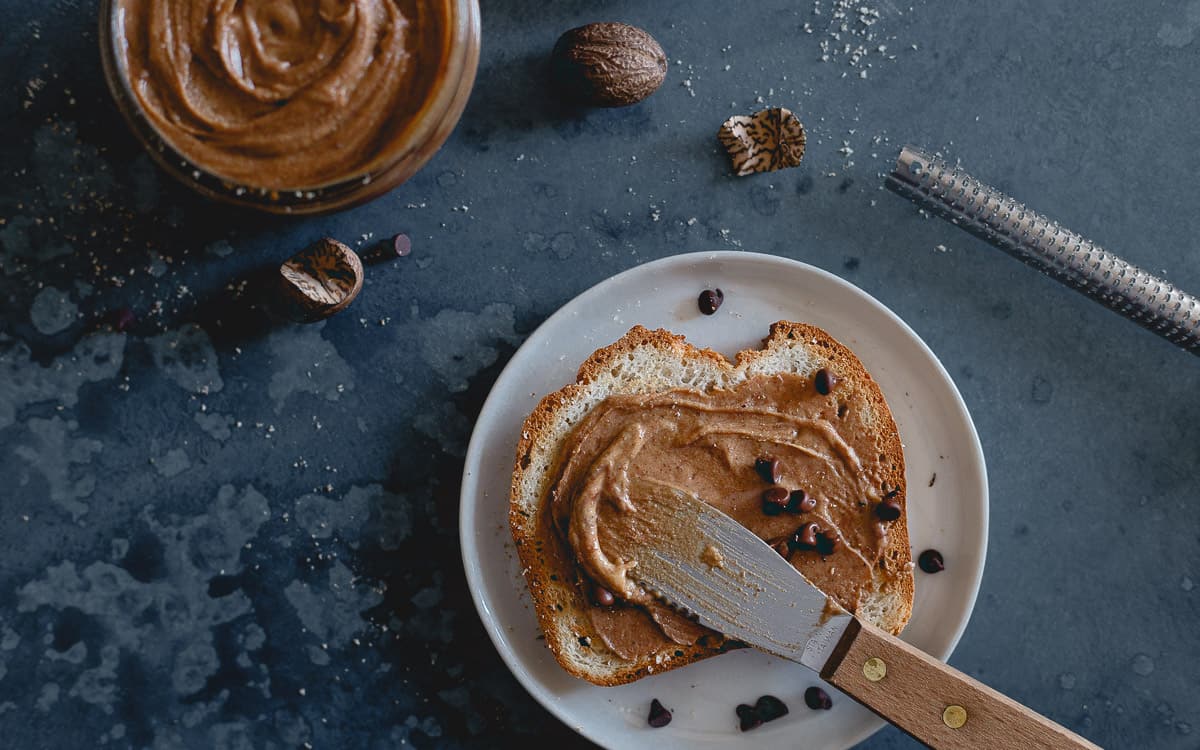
703	562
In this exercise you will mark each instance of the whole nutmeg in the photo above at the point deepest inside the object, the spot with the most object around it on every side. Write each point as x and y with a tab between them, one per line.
608	64
318	281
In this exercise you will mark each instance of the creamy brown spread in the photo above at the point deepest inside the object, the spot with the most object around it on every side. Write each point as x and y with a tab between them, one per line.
707	444
282	95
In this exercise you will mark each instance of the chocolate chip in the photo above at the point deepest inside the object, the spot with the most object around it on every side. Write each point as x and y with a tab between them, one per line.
817	699
827	543
824	381
805	537
774	500
892	492
659	715
888	510
602	597
800	502
769	469
710	300
397	247
770	708
931	561
749	717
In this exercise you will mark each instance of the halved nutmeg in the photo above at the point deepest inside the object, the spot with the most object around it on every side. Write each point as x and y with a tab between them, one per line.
320	280
763	142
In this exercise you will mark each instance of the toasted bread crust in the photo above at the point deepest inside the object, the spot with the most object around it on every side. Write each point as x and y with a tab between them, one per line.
548	565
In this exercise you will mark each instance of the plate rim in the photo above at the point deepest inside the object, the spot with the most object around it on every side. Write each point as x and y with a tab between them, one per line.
475	447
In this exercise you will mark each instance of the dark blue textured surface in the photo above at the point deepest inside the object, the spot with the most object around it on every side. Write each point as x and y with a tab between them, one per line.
218	533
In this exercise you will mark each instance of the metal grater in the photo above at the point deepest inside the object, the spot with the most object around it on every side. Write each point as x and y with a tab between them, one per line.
1060	253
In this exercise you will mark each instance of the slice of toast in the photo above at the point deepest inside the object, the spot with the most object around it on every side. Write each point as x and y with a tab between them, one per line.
645	361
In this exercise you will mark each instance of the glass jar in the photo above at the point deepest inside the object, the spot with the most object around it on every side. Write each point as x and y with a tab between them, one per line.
397	160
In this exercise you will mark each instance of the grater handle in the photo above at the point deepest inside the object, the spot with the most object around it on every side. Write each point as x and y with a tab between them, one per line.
1145	299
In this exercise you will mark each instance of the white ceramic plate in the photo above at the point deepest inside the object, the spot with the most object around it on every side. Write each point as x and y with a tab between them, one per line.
935	428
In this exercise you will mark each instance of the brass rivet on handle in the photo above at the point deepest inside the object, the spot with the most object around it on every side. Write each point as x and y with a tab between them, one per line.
954	716
874	669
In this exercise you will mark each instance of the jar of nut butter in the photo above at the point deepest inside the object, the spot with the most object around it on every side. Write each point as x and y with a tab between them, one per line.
291	106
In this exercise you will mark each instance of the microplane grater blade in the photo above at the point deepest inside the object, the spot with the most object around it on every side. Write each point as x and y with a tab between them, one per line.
949	192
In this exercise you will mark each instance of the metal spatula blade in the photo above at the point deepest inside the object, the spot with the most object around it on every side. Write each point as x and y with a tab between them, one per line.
702	561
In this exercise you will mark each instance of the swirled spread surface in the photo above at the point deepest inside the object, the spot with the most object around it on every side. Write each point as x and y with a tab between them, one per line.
282	94
708	444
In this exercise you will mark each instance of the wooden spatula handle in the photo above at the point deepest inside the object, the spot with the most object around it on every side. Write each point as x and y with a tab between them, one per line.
933	702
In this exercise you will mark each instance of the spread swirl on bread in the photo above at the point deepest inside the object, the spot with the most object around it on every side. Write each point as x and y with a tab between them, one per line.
651	407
